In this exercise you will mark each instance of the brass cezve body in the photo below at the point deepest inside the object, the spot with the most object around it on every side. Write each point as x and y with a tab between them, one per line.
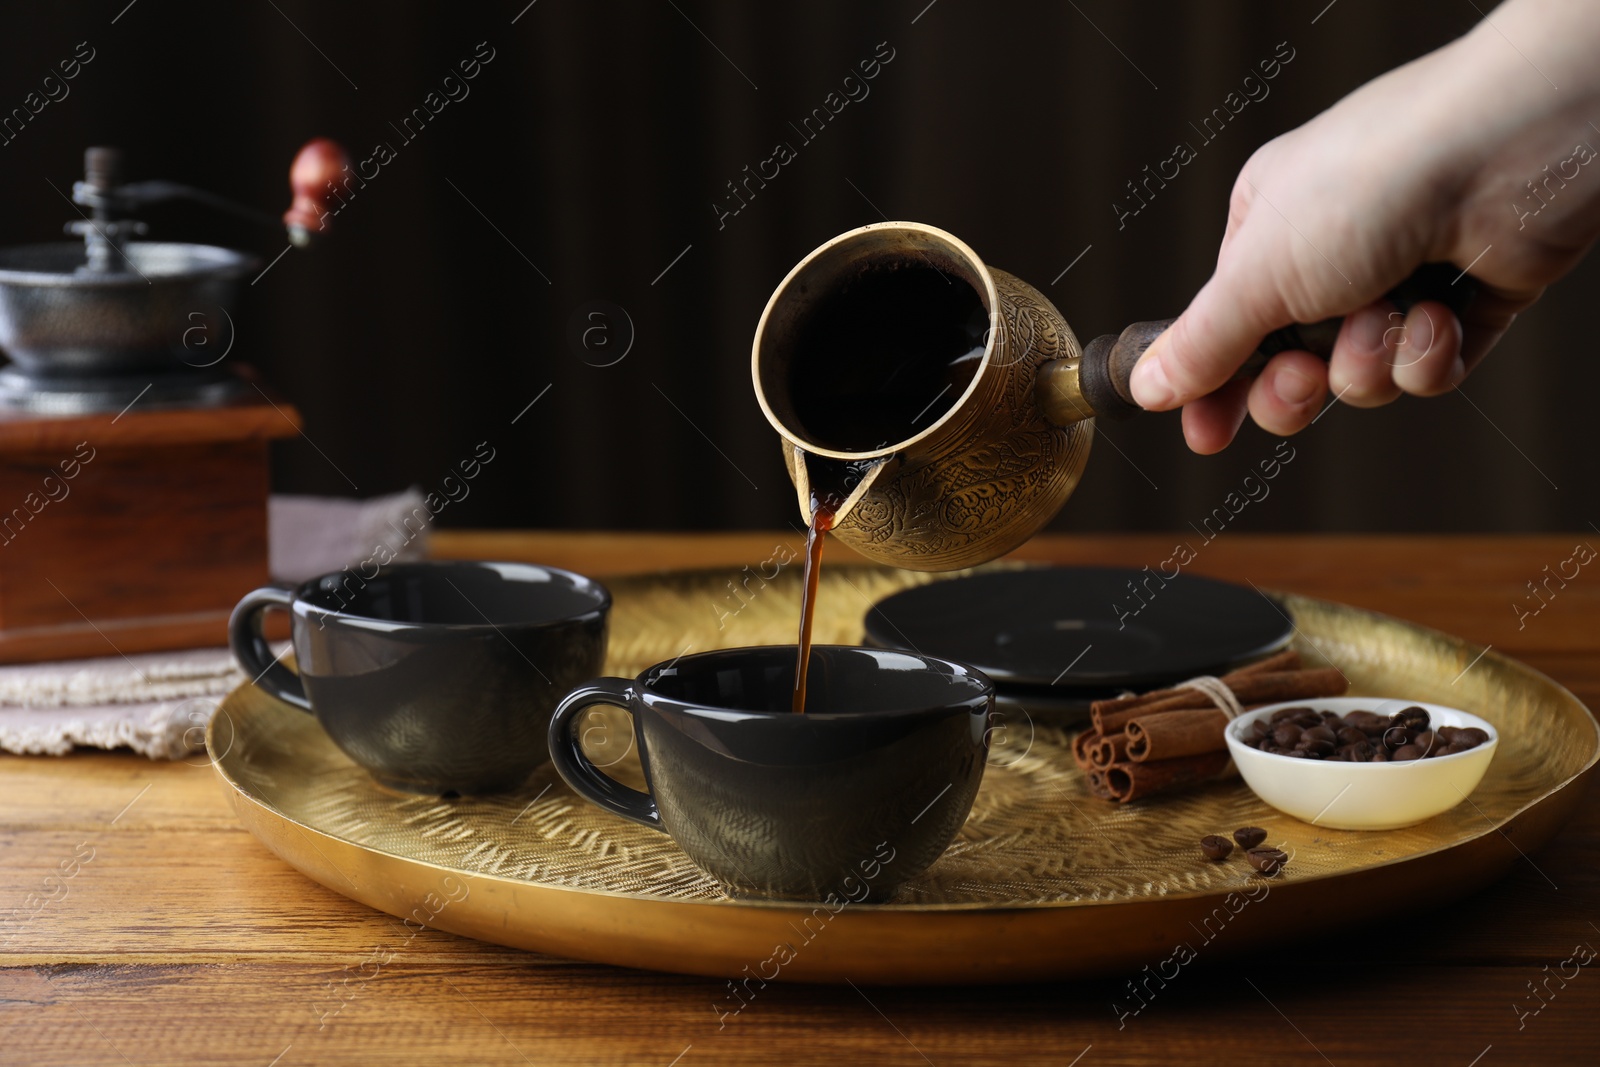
995	467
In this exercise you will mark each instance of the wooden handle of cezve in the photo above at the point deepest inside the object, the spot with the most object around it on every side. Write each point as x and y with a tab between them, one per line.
1108	361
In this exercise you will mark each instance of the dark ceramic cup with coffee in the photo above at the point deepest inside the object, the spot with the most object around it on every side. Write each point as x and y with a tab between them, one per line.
435	677
848	800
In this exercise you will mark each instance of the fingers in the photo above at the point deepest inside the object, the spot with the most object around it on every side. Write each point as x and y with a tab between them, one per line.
1210	423
1361	372
1379	354
1207	343
1427	350
1283	400
1289	393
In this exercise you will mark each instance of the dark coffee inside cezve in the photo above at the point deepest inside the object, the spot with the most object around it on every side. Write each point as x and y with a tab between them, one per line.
881	357
878	360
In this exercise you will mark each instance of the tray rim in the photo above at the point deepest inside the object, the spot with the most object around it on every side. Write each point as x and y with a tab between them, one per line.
1289	600
1049	952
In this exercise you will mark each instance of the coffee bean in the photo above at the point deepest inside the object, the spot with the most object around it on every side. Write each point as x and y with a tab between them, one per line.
1269	861
1359	736
1412	718
1367	722
1249	836
1215	847
1357	752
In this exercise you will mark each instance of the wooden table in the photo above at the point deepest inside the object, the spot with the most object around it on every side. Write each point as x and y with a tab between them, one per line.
177	938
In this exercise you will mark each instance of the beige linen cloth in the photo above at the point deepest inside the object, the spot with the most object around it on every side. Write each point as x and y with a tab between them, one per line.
158	703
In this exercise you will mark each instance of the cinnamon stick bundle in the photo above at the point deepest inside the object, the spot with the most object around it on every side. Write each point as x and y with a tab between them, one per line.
1080	747
1252	689
1266	682
1170	734
1157	731
1131	781
1109	750
1150	742
1109	719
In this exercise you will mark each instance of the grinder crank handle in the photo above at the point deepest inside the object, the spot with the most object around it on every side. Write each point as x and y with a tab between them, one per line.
314	178
1098	385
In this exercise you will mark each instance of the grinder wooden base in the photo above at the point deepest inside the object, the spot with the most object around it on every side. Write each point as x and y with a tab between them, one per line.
131	532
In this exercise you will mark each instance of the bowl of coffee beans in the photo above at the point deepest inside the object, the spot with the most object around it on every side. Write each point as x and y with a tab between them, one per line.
1356	763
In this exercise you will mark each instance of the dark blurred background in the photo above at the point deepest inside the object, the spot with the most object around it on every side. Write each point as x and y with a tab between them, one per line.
584	166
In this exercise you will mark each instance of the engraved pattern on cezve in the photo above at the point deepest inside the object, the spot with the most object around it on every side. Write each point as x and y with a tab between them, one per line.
999	474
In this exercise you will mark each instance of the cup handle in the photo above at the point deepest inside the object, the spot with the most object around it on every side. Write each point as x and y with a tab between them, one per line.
587	780
250	647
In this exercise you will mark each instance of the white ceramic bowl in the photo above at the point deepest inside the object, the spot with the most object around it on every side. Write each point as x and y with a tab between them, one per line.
1363	796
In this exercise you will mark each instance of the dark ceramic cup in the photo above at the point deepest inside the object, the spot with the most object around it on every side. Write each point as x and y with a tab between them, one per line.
845	802
435	677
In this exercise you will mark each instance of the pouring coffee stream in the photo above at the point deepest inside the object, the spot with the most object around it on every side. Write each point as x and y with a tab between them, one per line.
937	412
869	379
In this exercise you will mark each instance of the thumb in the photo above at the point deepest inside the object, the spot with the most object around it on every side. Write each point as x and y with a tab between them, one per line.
1203	348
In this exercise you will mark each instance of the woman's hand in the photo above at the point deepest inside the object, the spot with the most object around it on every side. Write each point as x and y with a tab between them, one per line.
1431	162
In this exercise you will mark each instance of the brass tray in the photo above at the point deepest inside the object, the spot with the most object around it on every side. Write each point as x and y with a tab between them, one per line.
1043	882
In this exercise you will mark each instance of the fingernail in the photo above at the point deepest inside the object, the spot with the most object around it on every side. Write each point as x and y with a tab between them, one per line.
1293	387
1149	383
1458	372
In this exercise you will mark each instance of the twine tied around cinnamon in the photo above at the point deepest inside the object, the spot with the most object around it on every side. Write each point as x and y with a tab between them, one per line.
1217	691
1223	697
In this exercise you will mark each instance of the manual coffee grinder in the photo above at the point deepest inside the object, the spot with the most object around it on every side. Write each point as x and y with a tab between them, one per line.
133	455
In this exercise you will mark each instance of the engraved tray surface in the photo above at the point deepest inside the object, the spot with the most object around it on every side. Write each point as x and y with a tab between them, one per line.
1043	881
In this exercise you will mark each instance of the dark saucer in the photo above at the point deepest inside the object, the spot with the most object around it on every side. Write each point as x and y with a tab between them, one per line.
1050	635
1049	707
